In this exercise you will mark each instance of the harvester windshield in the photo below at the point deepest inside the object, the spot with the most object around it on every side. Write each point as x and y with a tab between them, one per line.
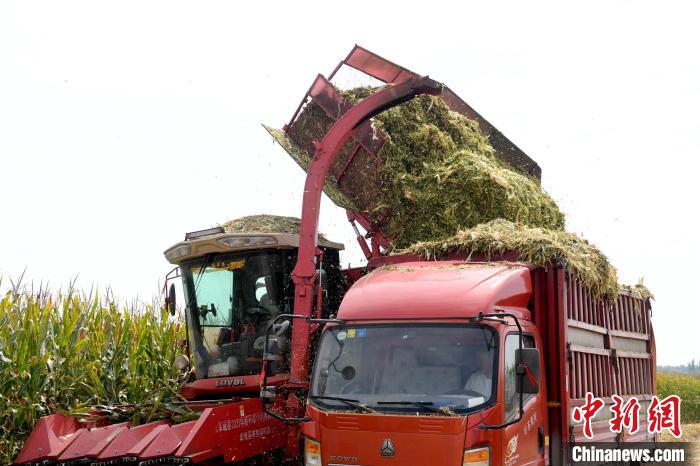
402	367
231	299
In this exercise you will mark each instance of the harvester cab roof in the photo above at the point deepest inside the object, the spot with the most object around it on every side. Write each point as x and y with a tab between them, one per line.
216	241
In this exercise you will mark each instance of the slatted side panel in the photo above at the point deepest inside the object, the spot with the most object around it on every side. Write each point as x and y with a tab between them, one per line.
630	338
630	314
581	306
634	376
590	372
590	363
608	352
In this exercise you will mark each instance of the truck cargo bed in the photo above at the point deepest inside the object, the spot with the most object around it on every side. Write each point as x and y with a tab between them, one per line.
606	348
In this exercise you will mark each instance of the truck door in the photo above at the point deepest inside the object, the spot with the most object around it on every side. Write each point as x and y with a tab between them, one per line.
524	440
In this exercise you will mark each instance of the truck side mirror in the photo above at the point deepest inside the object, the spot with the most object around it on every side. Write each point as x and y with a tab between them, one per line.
170	300
528	370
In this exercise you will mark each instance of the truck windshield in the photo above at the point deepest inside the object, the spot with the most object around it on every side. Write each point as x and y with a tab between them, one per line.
230	300
406	367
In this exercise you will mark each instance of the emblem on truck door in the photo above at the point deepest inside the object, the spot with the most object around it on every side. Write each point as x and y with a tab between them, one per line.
387	448
512	446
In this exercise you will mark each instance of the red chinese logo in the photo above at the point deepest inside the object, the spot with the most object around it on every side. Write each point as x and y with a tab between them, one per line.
586	412
661	414
665	414
625	415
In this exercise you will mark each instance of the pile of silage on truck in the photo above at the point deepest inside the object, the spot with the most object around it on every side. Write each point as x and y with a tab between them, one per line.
441	174
437	173
538	246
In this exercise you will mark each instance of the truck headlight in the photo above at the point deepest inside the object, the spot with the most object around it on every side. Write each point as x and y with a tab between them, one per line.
476	457
312	452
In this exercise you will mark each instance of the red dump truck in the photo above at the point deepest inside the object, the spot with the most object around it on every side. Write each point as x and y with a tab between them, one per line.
421	367
402	362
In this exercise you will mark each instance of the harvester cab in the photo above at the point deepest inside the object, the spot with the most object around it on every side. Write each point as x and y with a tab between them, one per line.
235	286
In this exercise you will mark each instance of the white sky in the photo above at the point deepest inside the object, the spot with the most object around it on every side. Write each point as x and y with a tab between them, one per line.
125	124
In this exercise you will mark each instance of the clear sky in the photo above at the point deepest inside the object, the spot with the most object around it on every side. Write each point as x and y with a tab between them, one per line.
125	124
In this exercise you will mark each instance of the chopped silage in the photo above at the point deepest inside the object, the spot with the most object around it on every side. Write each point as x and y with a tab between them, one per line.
639	290
265	223
442	175
439	174
303	159
539	246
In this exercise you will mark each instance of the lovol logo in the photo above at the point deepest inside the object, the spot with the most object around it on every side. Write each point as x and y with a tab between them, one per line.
387	448
230	382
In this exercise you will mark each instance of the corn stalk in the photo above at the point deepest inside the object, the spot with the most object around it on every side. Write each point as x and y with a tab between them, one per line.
79	353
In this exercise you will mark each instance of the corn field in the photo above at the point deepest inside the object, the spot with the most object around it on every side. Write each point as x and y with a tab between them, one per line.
79	352
688	388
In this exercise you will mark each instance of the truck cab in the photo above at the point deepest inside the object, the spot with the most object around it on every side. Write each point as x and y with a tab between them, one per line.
235	285
413	375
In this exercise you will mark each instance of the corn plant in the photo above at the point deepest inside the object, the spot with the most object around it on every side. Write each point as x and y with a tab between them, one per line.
688	388
80	353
